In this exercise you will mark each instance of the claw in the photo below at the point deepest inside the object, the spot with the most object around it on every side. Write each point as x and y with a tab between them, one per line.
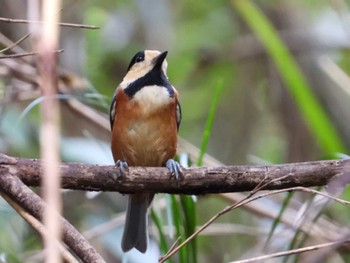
123	169
174	169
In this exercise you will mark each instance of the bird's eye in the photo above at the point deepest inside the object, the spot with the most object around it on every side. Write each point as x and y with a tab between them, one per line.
139	58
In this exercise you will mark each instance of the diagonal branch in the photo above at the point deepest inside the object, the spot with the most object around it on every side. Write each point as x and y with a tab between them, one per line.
39	227
199	180
13	187
15	43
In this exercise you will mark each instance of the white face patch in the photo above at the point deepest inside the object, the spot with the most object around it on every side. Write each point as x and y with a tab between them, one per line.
152	98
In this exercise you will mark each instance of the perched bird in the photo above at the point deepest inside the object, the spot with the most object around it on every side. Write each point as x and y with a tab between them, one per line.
145	116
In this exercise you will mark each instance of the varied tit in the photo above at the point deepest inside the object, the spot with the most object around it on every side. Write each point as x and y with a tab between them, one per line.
145	116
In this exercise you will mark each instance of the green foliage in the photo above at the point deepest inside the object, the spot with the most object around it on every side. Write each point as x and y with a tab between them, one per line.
159	225
277	220
317	120
184	254
189	225
210	122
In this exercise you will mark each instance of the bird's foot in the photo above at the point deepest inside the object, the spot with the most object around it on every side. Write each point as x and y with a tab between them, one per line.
123	168
174	169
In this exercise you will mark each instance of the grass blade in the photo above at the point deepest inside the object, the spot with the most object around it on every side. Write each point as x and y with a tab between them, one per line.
210	121
316	118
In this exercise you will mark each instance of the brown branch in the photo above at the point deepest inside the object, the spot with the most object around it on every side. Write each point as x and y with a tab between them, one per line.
201	180
13	187
23	21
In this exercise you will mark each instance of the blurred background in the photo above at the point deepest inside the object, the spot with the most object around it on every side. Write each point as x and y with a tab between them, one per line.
266	80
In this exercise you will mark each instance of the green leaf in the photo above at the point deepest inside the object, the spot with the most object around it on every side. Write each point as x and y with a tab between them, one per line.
210	121
178	222
159	225
277	220
316	118
189	210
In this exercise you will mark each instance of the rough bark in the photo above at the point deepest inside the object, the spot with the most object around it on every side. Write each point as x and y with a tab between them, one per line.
201	180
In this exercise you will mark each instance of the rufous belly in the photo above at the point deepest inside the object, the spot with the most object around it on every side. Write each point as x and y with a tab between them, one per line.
145	140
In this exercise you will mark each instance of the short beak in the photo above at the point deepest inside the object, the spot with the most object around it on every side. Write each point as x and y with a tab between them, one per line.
158	60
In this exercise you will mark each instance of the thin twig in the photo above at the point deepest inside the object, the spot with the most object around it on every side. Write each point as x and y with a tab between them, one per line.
292	252
23	21
15	43
26	54
173	249
173	246
248	199
300	189
8	42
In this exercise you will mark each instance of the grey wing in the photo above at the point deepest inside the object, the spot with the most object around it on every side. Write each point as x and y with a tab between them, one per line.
178	114
112	109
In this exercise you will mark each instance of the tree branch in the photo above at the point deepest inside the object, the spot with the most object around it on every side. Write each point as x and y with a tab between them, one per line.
200	180
26	198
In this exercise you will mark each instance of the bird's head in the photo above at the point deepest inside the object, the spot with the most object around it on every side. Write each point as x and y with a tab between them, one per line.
146	62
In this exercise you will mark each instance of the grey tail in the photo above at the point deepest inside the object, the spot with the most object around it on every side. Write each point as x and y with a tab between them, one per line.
135	230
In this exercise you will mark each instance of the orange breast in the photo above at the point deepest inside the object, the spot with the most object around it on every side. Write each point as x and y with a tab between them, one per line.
143	139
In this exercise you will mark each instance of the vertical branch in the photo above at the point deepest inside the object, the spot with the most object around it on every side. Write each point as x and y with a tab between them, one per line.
49	140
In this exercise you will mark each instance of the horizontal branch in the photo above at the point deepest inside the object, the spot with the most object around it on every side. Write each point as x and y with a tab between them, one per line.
200	180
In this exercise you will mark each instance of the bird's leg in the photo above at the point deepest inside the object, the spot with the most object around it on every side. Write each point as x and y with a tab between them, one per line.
123	169
174	169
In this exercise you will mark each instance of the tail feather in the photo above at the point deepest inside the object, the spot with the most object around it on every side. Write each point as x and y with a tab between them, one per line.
135	230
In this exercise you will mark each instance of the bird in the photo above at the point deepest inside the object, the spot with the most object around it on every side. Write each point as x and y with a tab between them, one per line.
145	116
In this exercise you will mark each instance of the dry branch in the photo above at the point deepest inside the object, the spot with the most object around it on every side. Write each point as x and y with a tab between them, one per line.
15	43
14	188
293	251
26	54
200	180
